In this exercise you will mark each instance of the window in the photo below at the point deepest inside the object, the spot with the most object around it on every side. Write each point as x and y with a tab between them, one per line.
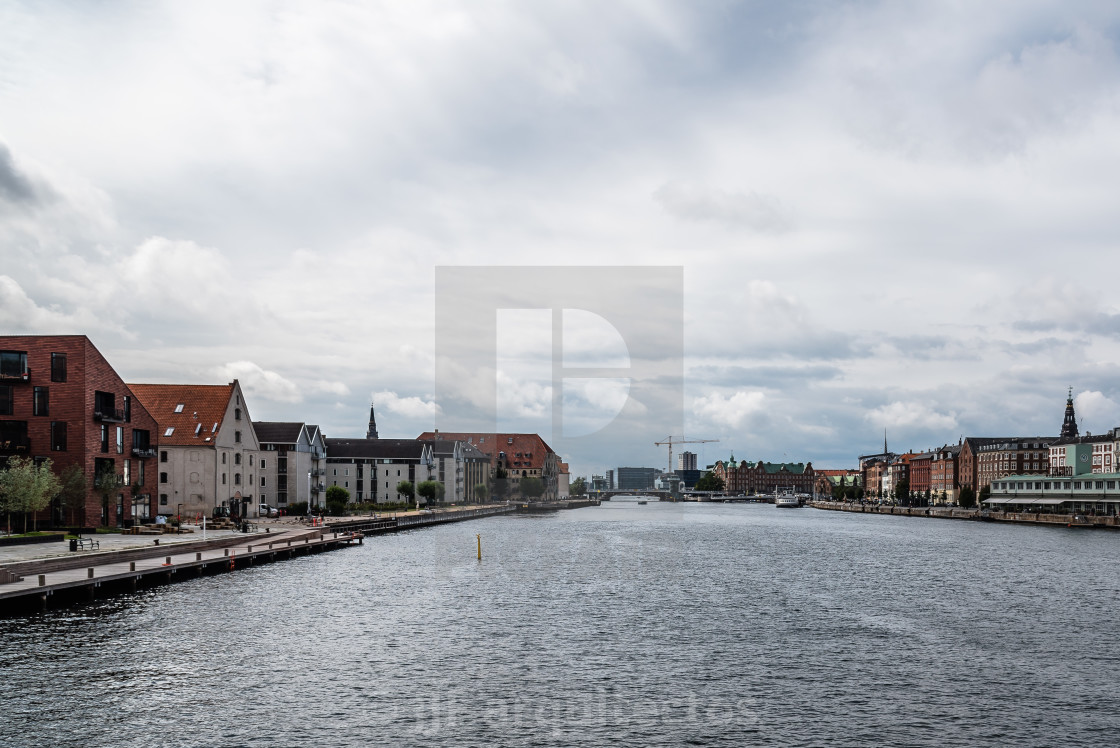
104	438
262	462
262	481
163	499
237	459
237	414
163	477
179	408
40	403
237	479
58	436
251	461
5	399
120	440
127	409
58	367
170	430
163	455
223	479
237	436
140	472
13	364
223	458
128	472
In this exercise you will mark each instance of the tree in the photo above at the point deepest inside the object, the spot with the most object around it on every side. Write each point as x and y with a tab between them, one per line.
968	497
431	490
480	491
532	487
72	492
406	489
578	487
985	493
106	482
902	490
501	484
27	487
709	482
337	498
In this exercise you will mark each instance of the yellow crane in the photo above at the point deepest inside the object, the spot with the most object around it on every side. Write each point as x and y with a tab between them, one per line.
671	440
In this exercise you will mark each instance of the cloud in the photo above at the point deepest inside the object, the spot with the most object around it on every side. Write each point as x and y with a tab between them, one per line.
1094	407
410	407
729	411
15	186
257	382
751	210
912	415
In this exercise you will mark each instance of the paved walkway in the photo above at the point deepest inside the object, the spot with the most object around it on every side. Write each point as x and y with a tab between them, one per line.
106	542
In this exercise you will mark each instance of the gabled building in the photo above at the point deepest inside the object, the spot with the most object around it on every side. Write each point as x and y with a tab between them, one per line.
60	399
293	463
208	450
371	469
517	455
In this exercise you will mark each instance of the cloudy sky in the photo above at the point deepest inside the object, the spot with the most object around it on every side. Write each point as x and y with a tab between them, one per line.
896	216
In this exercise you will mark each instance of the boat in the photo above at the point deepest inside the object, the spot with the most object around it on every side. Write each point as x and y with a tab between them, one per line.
787	502
642	502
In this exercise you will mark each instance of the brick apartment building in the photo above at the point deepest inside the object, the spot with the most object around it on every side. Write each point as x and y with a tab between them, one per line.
61	400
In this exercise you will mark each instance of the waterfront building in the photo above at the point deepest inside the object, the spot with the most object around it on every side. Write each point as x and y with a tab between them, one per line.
208	449
371	469
943	485
829	480
686	461
517	455
765	477
636	478
1073	493
293	463
920	467
60	399
610	480
563	484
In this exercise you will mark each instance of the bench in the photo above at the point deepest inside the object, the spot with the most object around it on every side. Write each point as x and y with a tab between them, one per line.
87	544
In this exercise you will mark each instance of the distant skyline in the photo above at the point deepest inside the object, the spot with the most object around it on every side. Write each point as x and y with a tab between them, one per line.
889	216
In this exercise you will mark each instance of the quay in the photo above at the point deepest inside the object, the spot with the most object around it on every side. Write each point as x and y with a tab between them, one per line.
41	584
977	515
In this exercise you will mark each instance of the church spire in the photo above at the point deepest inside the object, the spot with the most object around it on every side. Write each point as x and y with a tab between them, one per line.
1069	425
885	442
372	432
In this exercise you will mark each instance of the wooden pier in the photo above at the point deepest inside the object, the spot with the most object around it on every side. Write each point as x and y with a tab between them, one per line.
57	582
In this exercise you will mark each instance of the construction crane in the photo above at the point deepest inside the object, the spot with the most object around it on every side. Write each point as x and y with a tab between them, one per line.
671	440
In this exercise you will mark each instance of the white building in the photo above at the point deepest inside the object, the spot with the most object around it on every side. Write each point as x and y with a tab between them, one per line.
293	463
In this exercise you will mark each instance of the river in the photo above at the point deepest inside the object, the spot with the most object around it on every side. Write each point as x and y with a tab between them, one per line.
625	624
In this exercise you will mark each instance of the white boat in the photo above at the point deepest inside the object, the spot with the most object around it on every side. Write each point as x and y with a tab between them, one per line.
787	502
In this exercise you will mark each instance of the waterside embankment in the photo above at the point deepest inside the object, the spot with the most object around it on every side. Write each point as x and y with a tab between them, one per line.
978	515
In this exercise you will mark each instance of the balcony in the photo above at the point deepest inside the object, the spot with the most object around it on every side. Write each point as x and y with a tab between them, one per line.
318	473
144	453
12	445
315	490
15	376
108	415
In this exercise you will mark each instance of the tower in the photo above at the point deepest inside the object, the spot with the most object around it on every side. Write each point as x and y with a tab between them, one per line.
1069	425
372	432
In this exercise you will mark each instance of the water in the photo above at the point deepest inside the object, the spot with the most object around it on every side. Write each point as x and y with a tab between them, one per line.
627	625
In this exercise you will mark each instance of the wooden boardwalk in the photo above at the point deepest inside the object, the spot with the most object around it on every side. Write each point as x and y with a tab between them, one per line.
58	582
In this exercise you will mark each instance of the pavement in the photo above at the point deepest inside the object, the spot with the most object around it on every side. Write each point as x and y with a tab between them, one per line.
110	542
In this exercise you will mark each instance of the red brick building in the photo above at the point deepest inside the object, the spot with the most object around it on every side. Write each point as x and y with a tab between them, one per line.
61	400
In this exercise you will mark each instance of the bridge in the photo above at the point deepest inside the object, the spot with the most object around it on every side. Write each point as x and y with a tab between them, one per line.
607	495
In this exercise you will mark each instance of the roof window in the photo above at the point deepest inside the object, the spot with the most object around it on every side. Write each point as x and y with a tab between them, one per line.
170	431
179	408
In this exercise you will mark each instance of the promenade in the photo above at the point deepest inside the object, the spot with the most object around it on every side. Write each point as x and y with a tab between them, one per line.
44	576
979	515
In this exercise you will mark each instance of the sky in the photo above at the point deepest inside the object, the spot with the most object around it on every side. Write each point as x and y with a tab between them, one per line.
893	217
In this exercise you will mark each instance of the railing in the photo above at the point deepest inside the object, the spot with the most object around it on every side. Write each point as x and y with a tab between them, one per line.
318	473
143	452
23	376
110	415
15	445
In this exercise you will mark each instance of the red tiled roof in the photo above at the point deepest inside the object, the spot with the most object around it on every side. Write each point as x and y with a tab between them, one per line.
523	451
203	404
562	467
